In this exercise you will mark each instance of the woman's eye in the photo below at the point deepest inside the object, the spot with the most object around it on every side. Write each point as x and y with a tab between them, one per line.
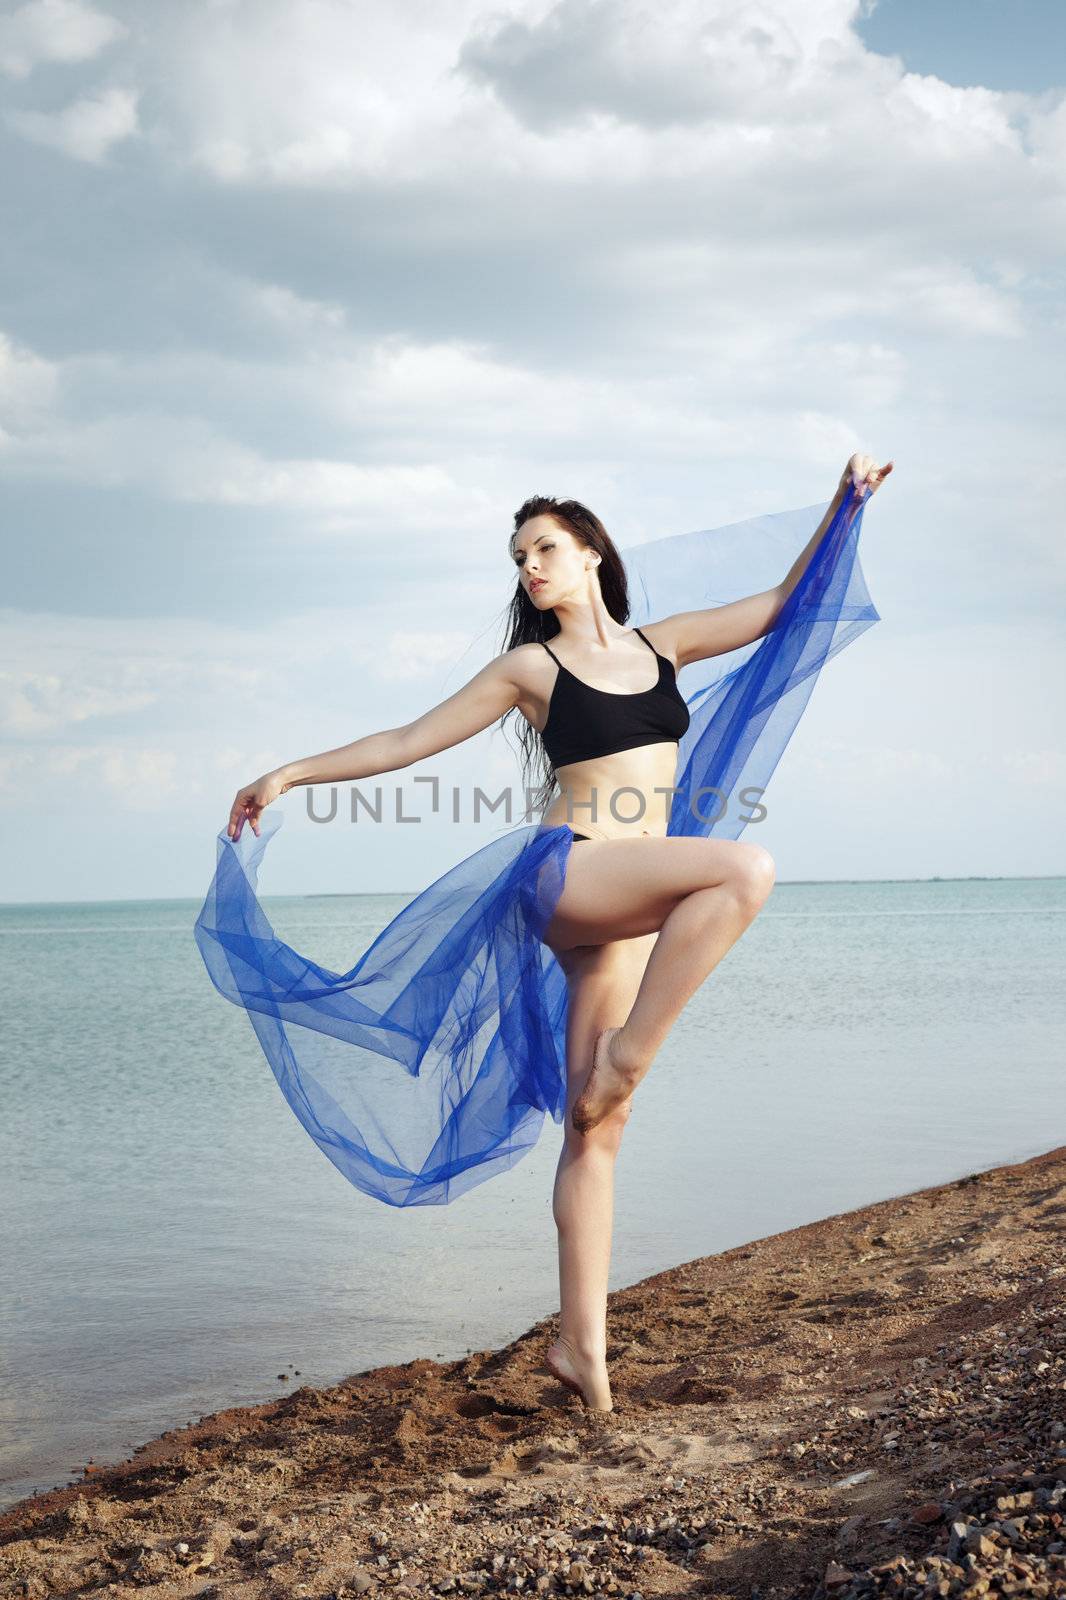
522	562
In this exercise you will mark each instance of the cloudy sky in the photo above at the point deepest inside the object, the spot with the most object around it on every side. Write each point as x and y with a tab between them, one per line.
302	299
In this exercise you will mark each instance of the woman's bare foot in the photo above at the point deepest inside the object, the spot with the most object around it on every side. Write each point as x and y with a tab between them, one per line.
609	1084
587	1378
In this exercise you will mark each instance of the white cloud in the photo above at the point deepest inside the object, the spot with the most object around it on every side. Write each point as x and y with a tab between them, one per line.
433	435
421	655
37	702
29	387
173	692
340	88
84	130
718	97
718	59
185	460
958	724
293	313
139	778
1046	129
54	31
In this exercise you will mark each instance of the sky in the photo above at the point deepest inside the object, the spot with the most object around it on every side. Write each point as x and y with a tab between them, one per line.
301	300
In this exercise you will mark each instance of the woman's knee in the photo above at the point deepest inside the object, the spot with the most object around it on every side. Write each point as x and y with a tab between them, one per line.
754	874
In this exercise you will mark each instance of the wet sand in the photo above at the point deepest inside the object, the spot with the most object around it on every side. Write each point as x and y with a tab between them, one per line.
871	1404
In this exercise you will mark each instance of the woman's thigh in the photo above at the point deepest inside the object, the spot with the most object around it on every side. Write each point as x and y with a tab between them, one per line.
623	889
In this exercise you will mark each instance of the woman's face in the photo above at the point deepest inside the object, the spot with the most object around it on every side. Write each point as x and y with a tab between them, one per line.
552	565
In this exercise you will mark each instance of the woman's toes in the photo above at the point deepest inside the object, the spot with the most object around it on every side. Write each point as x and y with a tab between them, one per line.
608	1085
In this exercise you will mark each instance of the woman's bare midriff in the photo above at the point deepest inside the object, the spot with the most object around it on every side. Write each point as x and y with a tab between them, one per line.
622	796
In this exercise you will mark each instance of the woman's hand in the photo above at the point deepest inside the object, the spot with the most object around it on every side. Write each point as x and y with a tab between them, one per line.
252	800
863	472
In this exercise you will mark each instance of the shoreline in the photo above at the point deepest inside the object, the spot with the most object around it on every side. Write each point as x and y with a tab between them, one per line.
868	1404
375	894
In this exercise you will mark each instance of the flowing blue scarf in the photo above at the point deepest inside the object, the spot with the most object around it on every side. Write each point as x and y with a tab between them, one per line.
458	989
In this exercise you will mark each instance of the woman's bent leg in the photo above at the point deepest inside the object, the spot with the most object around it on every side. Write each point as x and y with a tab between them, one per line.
694	938
602	983
701	894
622	888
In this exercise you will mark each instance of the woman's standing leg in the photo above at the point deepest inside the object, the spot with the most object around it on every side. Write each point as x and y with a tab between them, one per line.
602	983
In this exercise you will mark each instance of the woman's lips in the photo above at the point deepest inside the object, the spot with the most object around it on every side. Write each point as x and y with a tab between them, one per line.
538	583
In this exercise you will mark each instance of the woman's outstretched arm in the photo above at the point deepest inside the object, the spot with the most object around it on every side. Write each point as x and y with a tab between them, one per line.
489	695
695	635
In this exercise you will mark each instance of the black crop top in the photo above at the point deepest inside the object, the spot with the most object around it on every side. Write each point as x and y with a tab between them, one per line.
584	722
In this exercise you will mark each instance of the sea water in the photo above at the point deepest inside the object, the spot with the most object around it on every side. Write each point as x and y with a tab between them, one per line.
173	1243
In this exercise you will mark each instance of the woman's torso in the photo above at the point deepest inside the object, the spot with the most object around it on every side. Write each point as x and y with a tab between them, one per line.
626	792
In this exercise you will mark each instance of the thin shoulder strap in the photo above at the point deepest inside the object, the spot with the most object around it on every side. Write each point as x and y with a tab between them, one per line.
551	652
647	641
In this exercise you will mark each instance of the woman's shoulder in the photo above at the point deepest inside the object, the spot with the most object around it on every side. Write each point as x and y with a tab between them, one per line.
520	654
663	637
520	664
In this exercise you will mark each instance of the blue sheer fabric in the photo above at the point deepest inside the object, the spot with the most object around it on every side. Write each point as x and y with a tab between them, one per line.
458	990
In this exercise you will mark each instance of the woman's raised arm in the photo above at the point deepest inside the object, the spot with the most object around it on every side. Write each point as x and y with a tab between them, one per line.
695	635
489	695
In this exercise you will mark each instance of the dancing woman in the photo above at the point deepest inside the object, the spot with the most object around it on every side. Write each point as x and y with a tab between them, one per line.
639	920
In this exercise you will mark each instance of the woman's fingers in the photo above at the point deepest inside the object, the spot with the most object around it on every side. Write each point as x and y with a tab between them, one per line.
865	473
252	801
241	810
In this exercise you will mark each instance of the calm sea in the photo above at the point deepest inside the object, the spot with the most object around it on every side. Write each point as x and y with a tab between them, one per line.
173	1240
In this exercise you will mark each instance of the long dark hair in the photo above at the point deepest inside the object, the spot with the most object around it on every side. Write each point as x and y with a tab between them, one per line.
527	625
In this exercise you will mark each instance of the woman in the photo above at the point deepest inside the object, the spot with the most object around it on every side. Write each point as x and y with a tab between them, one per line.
634	913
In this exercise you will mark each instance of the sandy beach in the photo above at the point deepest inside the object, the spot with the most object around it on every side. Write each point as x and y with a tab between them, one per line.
872	1404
